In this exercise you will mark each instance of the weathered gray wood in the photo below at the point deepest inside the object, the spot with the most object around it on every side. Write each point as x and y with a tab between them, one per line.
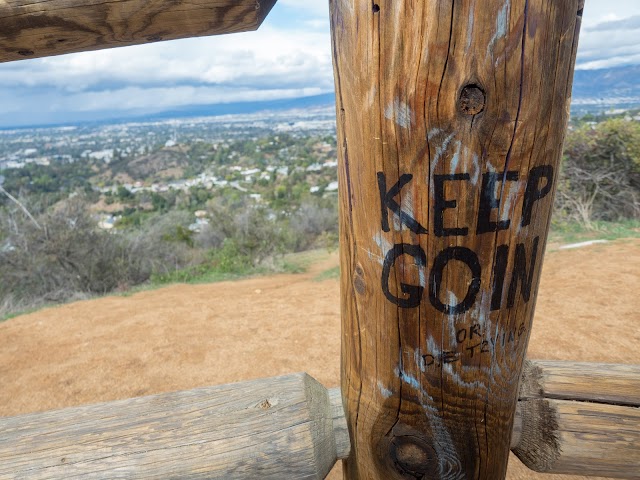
40	28
286	427
340	429
579	418
591	382
584	438
291	427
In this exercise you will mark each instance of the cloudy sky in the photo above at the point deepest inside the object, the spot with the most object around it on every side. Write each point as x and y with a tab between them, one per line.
288	57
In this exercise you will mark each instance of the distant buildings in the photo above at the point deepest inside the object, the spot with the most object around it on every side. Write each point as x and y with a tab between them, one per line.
105	156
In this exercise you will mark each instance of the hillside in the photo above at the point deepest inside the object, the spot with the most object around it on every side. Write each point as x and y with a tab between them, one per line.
168	162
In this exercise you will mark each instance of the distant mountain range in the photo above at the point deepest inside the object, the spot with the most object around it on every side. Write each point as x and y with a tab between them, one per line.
189	111
597	90
327	99
594	91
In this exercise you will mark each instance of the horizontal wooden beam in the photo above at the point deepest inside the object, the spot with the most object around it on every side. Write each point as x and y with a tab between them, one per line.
580	438
41	28
286	427
586	382
579	418
292	427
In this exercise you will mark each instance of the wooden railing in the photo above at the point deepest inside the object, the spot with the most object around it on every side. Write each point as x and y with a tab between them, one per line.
451	118
579	418
286	427
292	427
41	28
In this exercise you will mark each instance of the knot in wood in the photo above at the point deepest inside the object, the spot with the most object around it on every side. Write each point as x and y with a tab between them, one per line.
472	100
413	457
358	280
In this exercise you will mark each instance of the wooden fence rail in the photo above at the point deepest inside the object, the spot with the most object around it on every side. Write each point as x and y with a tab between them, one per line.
286	427
41	28
293	428
579	418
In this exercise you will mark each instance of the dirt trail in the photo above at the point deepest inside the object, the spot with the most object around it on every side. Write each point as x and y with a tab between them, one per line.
185	336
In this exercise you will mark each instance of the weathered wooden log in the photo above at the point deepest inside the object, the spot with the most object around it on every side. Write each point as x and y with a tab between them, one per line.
582	438
451	119
585	382
286	427
579	418
40	28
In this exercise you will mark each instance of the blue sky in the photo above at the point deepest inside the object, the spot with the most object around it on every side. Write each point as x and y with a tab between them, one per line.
288	57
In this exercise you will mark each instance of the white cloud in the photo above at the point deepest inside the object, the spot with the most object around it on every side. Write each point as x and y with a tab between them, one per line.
136	98
267	57
598	11
611	39
289	56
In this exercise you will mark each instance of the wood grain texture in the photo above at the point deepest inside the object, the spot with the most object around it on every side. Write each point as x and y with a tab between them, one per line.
40	28
285	427
451	119
587	382
579	418
582	438
340	429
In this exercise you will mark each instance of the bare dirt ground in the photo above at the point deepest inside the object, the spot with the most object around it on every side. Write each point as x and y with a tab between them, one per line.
185	336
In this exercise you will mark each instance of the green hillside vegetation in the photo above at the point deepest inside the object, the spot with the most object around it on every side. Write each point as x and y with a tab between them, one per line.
205	210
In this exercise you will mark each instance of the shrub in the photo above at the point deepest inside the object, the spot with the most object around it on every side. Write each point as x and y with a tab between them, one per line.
601	173
69	257
315	224
253	230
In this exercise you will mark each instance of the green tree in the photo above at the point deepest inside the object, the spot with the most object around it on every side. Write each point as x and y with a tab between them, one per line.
124	194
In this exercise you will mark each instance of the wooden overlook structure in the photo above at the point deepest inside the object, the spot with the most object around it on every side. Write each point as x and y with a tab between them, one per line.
451	118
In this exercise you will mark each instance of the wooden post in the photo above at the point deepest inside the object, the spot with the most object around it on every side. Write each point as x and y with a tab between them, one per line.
41	28
451	119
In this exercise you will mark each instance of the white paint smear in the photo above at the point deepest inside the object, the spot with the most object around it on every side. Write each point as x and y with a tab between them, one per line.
371	96
386	393
582	244
501	27
400	113
476	170
440	151
456	157
470	30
